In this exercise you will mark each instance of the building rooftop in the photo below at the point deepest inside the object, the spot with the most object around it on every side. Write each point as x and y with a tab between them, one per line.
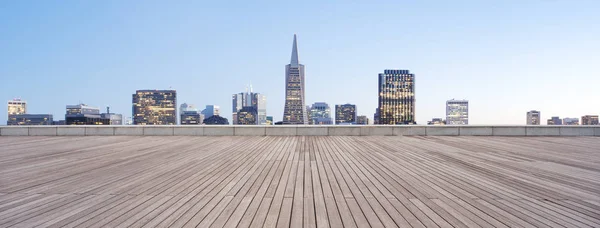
268	181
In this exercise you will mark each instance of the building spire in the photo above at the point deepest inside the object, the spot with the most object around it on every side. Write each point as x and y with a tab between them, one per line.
294	61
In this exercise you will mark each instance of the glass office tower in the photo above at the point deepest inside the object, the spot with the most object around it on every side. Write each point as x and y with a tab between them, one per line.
155	107
396	98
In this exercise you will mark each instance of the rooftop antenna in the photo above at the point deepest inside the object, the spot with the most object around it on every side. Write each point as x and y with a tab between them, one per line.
107	109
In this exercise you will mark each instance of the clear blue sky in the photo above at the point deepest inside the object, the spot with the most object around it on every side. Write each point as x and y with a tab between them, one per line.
506	57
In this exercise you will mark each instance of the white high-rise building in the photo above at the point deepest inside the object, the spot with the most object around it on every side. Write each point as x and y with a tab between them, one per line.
17	107
457	112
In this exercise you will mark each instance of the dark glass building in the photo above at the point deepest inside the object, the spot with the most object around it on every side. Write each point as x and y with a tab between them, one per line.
396	98
345	114
589	120
30	119
247	116
155	107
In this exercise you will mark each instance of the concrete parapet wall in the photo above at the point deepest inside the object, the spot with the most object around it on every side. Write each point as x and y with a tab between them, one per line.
301	130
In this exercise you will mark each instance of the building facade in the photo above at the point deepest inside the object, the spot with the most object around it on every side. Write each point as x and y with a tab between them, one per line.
345	114
294	111
362	120
211	110
320	114
589	120
155	107
113	118
247	116
250	99
533	117
82	114
396	103
270	120
555	120
189	115
17	107
30	119
570	121
457	112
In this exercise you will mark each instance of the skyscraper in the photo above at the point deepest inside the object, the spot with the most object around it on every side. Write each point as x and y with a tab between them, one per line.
16	107
345	114
155	107
396	98
533	117
211	110
589	120
320	114
294	111
457	112
249	99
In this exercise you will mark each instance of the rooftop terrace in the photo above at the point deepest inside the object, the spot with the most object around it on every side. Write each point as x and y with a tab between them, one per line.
310	181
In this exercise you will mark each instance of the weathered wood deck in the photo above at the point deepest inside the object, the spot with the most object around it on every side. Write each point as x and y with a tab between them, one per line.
299	181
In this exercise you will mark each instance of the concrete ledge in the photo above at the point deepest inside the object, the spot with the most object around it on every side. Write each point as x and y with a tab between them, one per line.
218	131
99	131
70	131
15	131
409	130
282	130
542	131
508	131
192	130
156	130
474	131
442	130
300	130
379	130
577	131
129	131
249	131
312	131
344	131
43	131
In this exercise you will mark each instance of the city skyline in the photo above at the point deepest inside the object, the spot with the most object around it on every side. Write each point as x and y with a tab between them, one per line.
488	57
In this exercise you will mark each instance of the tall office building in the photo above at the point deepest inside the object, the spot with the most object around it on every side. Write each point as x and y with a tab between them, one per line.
457	112
589	120
189	115
320	114
294	111
211	110
17	107
533	117
345	114
250	99
396	98
362	120
82	114
555	120
155	107
571	121
247	116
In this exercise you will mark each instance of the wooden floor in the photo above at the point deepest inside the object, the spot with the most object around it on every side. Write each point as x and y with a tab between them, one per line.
299	181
